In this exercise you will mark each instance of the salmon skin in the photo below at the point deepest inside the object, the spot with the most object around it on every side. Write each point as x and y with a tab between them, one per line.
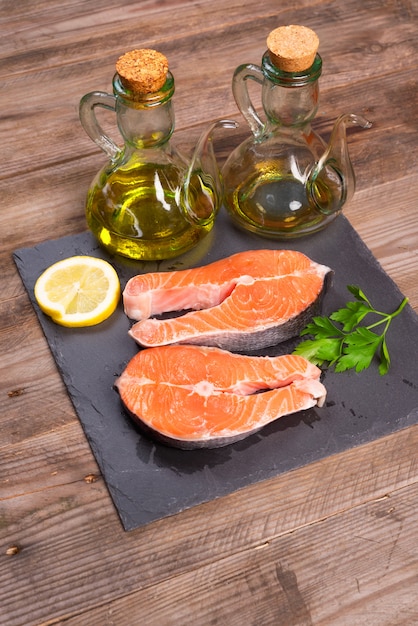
245	302
202	397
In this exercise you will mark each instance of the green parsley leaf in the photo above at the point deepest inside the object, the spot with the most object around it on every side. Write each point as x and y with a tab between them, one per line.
352	346
362	337
351	315
321	327
359	349
319	351
384	359
359	294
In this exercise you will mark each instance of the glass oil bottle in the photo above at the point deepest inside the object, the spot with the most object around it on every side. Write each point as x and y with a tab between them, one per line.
148	202
284	181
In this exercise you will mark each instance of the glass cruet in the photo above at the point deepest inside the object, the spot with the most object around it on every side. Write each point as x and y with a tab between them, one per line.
284	180
148	202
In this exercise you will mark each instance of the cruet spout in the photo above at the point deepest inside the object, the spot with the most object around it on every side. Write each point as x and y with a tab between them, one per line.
202	190
331	182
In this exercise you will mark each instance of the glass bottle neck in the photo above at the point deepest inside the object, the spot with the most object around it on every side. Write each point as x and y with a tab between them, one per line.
145	120
290	98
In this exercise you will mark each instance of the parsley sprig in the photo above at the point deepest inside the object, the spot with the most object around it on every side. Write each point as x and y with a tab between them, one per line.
349	345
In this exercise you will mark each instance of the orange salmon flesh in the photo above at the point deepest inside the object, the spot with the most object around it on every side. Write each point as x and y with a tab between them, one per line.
247	301
190	396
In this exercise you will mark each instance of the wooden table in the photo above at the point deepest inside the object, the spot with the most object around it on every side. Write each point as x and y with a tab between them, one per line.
335	542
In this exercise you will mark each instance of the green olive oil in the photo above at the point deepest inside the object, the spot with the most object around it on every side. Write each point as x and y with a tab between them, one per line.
138	211
275	205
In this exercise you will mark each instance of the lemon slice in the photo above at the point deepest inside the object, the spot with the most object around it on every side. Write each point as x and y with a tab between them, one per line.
78	291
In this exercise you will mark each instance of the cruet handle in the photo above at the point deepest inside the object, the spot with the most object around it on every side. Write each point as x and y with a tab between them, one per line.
88	119
242	97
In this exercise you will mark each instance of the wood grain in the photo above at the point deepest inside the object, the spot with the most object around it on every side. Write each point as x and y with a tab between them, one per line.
276	580
333	543
240	523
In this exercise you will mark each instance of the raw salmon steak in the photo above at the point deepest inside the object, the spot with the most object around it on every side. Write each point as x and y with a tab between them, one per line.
203	397
244	302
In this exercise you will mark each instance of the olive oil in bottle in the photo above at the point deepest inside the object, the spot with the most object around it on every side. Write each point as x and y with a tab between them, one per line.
136	212
148	202
284	181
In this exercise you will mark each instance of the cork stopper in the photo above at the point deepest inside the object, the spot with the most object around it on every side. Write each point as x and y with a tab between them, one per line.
142	71
292	48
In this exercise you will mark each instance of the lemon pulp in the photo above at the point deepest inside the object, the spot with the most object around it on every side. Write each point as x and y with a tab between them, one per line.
78	291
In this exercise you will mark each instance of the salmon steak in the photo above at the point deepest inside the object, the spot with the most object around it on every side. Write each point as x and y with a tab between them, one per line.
245	302
191	397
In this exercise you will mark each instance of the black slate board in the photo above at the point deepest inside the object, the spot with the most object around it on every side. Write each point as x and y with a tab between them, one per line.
148	481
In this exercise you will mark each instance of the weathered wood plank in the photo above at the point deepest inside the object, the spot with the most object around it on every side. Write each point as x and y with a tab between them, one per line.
88	537
333	543
298	579
392	238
